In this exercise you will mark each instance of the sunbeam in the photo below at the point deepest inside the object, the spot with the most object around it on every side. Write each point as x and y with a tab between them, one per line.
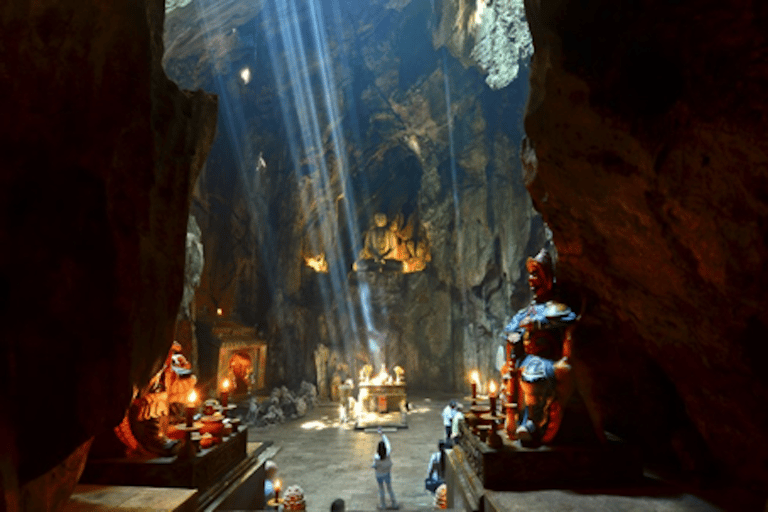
329	190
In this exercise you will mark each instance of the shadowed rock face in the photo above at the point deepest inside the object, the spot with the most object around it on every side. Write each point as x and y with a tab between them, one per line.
647	157
99	152
390	79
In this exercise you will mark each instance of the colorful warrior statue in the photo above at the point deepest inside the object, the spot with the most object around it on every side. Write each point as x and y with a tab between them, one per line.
543	372
148	425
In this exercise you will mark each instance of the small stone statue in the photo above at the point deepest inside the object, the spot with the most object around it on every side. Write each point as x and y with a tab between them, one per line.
322	355
253	411
365	374
545	379
346	400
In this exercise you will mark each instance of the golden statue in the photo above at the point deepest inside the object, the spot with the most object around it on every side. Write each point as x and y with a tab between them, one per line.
393	246
379	246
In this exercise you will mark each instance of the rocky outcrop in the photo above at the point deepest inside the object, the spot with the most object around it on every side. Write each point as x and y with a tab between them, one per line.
99	153
647	157
193	268
281	405
313	144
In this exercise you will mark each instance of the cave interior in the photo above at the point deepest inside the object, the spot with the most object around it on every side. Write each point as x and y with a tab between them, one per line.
212	173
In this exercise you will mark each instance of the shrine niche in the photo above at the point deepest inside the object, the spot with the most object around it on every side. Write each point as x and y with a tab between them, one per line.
242	357
394	246
318	263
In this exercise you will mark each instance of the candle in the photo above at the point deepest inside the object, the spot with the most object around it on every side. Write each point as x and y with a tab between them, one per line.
191	399
475	380
277	490
219	311
492	396
511	422
225	393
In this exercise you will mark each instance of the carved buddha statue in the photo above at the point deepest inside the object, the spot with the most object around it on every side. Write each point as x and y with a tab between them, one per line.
545	378
380	244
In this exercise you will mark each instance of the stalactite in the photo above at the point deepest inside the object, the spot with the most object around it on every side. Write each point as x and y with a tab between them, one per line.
502	40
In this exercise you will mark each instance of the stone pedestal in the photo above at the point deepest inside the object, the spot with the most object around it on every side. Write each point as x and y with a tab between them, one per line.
383	398
200	472
113	498
512	467
228	476
474	468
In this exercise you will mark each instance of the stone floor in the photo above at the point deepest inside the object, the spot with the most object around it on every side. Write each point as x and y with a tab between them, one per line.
329	460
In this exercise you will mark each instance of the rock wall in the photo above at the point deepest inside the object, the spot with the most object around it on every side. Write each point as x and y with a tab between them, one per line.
388	120
647	157
99	152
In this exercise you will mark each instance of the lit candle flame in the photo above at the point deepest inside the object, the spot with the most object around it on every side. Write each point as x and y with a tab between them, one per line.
475	377
219	311
492	387
192	397
225	385
278	485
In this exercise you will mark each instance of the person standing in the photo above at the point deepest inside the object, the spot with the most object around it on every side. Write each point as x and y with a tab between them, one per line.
448	413
382	465
458	417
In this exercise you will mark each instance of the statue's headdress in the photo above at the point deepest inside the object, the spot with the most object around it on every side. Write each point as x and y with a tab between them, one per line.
543	262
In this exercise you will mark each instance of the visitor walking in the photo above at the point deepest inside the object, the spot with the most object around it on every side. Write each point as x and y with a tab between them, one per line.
382	465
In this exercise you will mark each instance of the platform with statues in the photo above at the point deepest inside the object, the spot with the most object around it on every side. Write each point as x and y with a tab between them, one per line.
174	436
540	427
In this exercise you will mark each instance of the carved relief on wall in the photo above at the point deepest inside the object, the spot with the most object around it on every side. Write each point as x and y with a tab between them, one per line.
394	246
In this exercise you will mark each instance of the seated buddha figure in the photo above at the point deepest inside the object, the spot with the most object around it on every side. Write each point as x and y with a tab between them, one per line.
379	247
545	377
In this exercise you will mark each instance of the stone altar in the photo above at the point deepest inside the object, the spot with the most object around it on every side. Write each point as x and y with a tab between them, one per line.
382	398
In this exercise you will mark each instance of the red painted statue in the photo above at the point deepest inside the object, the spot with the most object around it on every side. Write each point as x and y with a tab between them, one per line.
541	369
147	427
